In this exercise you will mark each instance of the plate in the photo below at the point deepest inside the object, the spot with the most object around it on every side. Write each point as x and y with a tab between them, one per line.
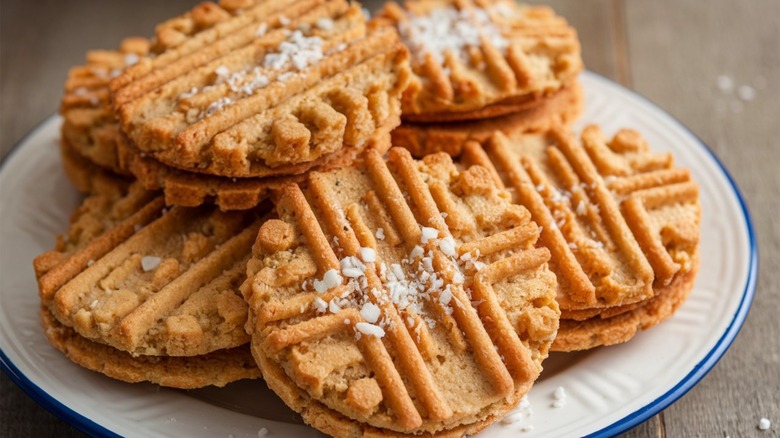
608	390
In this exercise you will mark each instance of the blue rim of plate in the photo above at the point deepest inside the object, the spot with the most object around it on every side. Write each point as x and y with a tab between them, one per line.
631	420
713	356
40	396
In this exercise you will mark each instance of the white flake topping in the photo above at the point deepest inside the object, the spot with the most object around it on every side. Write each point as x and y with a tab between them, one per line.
380	234
447	246
449	29
522	413
149	263
352	267
261	29
222	72
333	306
187	94
218	105
284	21
320	304
368	255
262	432
581	209
324	23
131	59
298	50
764	424
370	312
560	397
331	279
428	233
370	329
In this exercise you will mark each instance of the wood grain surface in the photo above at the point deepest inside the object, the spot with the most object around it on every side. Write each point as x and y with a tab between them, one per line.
671	51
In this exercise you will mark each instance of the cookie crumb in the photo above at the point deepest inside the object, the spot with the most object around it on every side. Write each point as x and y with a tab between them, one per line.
262	432
560	397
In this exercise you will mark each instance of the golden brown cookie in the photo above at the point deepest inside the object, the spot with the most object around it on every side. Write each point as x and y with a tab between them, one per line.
478	59
560	109
400	298
621	222
604	330
217	368
151	281
190	189
99	218
270	91
86	176
89	125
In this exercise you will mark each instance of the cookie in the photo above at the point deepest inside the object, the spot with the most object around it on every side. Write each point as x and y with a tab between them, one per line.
98	222
85	175
602	330
155	283
190	189
478	59
88	122
271	91
403	298
620	221
217	368
560	109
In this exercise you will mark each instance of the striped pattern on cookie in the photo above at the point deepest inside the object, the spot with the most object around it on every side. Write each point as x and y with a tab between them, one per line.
151	281
622	223
400	297
267	92
217	368
468	56
560	109
89	125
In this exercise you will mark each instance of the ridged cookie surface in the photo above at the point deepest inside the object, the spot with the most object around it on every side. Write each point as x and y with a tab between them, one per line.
149	281
269	91
560	109
622	223
400	298
478	59
217	368
89	124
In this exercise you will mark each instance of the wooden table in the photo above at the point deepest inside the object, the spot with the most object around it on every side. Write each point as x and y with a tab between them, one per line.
671	51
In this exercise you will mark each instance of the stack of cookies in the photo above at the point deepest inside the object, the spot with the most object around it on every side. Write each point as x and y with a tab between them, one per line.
483	66
249	211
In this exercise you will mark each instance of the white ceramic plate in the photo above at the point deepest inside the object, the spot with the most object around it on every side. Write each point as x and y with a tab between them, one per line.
608	390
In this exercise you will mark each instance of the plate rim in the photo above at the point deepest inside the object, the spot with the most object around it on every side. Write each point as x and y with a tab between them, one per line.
740	315
701	369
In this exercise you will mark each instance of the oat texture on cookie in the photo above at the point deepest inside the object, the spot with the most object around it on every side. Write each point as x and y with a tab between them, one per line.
469	56
269	89
400	297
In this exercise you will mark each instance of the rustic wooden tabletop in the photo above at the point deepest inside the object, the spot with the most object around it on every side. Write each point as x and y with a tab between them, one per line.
678	53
